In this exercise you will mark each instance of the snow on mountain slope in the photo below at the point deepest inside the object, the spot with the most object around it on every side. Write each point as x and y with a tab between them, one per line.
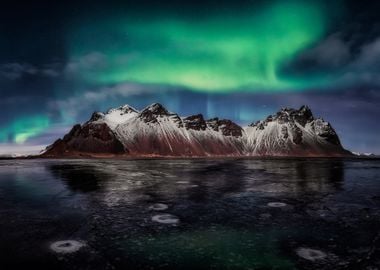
293	132
159	132
155	131
116	116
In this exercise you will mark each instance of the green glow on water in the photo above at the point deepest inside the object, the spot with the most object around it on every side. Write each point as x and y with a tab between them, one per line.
218	248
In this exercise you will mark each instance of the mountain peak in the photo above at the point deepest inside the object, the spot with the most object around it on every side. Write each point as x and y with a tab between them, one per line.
127	108
305	111
304	108
150	113
97	116
156	108
196	122
123	109
226	126
302	116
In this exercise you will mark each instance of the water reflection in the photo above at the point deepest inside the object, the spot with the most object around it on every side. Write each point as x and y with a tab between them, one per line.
200	180
216	179
297	177
224	213
80	178
319	176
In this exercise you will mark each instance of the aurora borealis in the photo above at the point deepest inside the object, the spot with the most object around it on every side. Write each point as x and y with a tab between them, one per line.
241	60
216	53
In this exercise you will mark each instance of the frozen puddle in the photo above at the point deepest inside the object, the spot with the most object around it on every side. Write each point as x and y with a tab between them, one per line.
310	254
276	204
158	207
66	246
182	182
166	219
265	216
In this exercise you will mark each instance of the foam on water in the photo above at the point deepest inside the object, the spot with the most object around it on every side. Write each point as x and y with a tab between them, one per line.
67	246
158	207
182	182
166	219
276	204
310	254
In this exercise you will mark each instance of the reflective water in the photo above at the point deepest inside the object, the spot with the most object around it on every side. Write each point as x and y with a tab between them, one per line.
190	214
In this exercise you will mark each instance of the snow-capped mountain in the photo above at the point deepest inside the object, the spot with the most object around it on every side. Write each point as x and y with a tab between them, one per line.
292	132
155	131
364	154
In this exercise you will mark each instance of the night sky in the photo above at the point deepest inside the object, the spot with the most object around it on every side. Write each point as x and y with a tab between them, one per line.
240	60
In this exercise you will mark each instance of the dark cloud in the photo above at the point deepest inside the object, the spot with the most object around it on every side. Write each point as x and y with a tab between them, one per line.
336	59
364	68
331	53
369	57
15	71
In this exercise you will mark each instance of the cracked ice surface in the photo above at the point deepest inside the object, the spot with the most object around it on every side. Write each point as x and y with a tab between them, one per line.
177	214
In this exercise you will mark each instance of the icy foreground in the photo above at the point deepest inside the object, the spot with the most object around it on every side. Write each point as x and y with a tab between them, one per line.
155	131
165	214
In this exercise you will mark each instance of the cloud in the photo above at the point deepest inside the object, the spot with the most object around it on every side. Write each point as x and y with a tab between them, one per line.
15	71
89	100
369	57
332	52
93	61
341	63
364	68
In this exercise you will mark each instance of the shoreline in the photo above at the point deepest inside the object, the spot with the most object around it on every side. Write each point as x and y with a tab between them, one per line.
125	157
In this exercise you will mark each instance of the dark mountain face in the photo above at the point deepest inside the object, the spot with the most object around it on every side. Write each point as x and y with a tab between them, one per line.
89	138
285	115
152	112
227	127
195	122
155	131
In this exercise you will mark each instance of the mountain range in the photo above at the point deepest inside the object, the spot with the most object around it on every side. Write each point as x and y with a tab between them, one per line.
157	132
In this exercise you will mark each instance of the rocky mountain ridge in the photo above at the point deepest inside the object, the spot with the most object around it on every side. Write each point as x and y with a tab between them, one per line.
155	131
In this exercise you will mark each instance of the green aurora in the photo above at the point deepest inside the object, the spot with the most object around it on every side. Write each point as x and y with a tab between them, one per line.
243	49
23	128
215	53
